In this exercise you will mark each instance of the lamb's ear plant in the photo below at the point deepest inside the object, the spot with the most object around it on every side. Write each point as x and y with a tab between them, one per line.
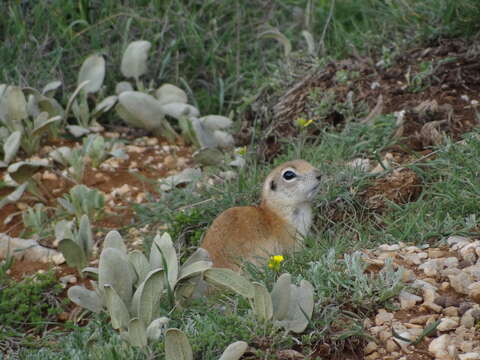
17	116
75	243
98	150
177	347
289	306
90	81
148	108
82	200
36	220
134	290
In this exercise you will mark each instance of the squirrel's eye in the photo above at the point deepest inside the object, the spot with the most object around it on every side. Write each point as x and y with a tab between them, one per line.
289	175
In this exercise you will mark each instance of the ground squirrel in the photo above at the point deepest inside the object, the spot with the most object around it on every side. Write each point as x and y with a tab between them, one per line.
284	216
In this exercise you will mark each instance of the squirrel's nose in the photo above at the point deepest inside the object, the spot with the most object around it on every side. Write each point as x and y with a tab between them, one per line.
318	175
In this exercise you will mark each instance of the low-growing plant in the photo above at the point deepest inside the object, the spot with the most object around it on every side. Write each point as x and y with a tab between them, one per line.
82	200
16	115
90	81
75	243
98	150
36	220
178	347
347	282
148	108
287	305
28	304
135	290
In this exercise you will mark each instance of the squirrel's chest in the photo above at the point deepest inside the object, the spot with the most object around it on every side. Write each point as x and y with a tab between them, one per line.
301	219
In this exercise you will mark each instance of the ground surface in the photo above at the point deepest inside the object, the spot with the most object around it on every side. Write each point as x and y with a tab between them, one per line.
433	90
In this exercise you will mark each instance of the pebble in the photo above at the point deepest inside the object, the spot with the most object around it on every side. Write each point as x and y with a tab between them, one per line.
383	317
48	175
469	356
408	300
460	282
439	347
448	323
371	347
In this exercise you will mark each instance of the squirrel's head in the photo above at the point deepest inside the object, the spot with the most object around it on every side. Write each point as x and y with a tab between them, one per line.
292	183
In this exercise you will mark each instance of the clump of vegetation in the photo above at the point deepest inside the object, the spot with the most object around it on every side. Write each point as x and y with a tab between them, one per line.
28	305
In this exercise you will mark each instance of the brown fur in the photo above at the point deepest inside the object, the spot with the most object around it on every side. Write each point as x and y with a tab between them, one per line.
255	232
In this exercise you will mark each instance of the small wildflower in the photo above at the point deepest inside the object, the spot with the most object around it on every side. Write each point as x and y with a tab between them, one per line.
241	151
302	122
275	262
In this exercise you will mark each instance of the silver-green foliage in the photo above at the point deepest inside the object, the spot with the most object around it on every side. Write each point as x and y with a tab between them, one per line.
347	281
177	347
24	121
287	305
131	287
82	200
76	244
149	108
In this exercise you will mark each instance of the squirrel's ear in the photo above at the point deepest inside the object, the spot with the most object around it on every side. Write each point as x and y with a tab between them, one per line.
273	186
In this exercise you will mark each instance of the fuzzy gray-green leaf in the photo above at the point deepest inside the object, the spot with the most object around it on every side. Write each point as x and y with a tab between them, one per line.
42	123
162	248
143	108
157	328
85	298
234	351
137	336
168	93
14	196
93	71
11	146
193	269
73	253
177	346
140	264
177	110
115	240
134	60
23	170
85	234
51	87
231	280
146	299
262	302
281	296
116	307
114	269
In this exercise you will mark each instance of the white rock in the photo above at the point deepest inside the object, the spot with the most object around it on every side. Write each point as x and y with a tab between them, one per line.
415	258
448	323
26	249
408	300
383	317
461	282
387	247
474	291
469	356
468	252
439	347
468	320
473	271
457	242
371	347
430	267
421	284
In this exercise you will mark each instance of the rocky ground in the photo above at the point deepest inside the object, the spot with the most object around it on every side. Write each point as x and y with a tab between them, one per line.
439	309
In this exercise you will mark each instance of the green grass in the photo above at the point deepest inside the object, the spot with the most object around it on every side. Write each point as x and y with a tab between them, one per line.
210	48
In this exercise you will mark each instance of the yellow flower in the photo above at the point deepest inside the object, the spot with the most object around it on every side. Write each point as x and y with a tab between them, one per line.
241	151
303	122
275	262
